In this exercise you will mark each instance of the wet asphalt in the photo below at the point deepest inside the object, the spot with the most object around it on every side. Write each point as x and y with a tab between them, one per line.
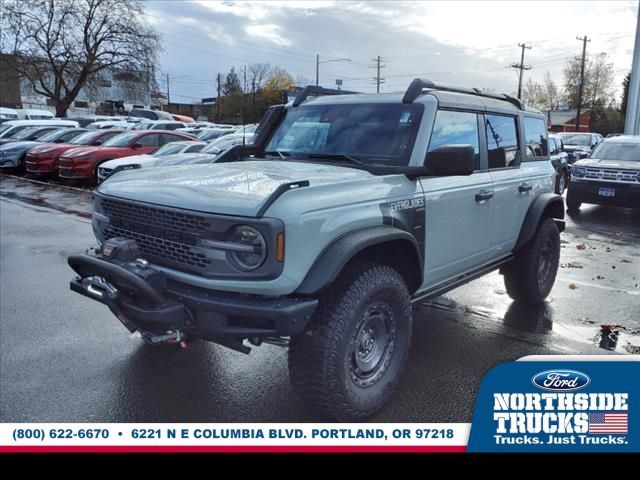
64	358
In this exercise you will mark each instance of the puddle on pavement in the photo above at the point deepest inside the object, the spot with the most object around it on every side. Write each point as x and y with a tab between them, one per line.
539	320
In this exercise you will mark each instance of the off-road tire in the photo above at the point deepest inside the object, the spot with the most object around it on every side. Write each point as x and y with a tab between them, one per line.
323	361
531	275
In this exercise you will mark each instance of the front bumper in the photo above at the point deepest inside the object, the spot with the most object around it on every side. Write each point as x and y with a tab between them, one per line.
144	300
587	191
10	159
40	165
75	169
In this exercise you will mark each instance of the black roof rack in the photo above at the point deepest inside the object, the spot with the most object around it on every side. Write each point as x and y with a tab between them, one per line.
419	84
314	91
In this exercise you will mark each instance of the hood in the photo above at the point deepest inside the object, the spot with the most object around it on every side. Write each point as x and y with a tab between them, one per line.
18	145
597	163
236	188
572	148
137	159
51	148
185	159
81	151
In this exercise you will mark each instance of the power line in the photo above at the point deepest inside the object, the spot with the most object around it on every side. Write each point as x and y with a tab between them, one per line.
522	67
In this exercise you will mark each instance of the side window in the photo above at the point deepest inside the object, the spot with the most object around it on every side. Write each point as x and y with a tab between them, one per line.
148	140
502	141
194	148
535	131
68	136
168	138
552	146
456	128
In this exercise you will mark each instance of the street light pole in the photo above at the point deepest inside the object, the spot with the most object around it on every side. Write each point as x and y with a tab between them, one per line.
318	62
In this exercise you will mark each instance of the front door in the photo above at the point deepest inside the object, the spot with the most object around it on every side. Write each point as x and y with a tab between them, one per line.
458	209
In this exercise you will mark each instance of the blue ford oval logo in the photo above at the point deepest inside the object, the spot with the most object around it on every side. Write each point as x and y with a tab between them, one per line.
560	380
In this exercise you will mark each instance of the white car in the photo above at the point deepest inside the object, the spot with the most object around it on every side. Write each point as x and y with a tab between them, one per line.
32	114
139	161
10	128
108	124
8	114
159	125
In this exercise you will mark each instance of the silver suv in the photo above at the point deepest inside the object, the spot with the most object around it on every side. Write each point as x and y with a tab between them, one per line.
321	234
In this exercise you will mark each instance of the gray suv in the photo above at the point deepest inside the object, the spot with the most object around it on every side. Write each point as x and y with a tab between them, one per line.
321	234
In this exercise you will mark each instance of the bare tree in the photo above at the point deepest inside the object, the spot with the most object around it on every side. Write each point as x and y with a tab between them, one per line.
598	80
258	75
553	95
63	46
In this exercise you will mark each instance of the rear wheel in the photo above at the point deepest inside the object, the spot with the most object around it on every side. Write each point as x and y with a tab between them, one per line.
532	274
348	362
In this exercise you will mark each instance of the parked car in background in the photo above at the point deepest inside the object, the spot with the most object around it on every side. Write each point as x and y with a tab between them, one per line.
117	124
182	118
82	163
158	125
209	134
610	176
150	114
43	159
11	128
560	161
12	154
8	114
138	161
32	114
30	134
579	145
89	119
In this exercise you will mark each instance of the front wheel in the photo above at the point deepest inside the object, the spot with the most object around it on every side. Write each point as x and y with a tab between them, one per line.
533	272
561	183
573	203
349	360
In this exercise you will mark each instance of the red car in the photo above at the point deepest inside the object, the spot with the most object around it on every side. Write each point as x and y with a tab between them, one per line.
43	160
182	118
82	163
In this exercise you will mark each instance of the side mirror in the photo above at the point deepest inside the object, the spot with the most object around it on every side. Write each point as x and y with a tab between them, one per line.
452	160
137	145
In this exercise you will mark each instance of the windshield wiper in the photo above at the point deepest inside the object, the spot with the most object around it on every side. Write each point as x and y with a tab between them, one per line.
337	156
280	153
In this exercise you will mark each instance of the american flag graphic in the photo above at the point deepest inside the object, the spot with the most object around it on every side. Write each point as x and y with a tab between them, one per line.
614	422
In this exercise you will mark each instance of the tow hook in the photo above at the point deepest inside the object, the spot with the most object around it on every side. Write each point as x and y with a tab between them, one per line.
98	287
170	337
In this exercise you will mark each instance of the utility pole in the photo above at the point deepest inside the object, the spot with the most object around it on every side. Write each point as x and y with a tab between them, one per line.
522	67
218	102
378	80
584	41
168	96
317	69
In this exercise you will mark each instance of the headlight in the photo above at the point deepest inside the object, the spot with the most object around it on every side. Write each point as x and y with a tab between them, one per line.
247	249
578	171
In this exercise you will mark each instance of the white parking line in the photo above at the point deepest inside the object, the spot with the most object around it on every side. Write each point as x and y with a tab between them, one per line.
603	287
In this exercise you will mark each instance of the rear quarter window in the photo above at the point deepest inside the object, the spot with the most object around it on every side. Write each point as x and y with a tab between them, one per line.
535	133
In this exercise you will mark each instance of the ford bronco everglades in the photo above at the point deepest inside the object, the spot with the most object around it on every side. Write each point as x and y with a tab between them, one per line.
320	235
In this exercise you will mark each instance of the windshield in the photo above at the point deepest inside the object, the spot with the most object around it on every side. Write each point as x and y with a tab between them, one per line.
211	134
373	133
169	149
122	140
52	136
628	152
27	132
4	128
86	138
576	139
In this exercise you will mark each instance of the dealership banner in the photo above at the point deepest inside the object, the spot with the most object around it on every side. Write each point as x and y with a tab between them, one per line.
537	404
559	404
233	437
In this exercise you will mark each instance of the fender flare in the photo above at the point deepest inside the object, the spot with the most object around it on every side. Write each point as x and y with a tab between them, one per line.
332	260
543	203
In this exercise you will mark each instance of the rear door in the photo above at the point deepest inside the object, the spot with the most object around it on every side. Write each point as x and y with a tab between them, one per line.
516	182
459	209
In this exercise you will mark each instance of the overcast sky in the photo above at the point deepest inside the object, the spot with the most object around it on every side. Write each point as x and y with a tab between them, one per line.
467	44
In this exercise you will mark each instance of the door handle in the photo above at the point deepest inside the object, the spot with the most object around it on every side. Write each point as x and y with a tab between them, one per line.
484	195
524	187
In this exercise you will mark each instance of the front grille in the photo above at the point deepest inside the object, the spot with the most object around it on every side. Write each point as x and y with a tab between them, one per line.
612	175
104	172
167	237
